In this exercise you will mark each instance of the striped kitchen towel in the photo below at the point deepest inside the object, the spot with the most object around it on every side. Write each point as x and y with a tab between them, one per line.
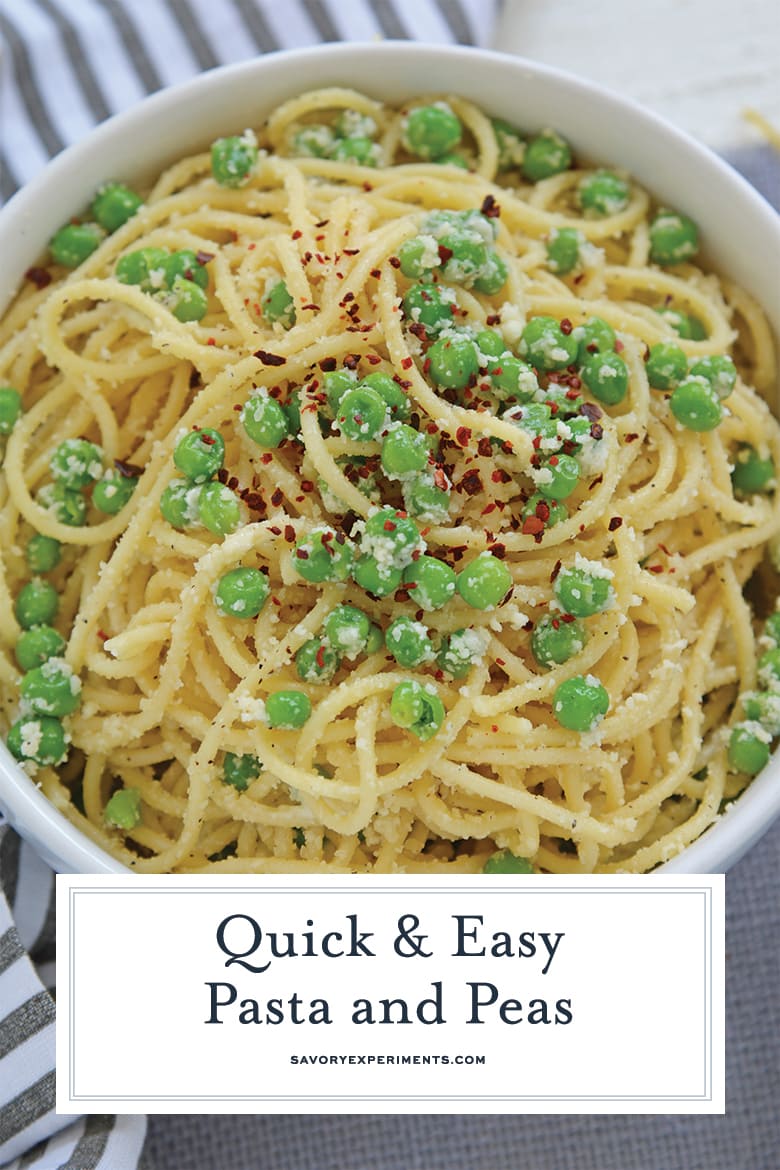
64	66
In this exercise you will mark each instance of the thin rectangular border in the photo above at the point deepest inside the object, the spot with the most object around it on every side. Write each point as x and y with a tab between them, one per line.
704	891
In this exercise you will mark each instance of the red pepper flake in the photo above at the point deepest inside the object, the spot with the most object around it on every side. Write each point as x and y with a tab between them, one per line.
440	479
270	359
463	435
253	500
394	262
500	662
307	485
498	550
493	319
595	483
351	361
297	234
211	341
40	277
204	257
208	440
490	208
266	457
619	346
542	511
533	526
445	253
376	273
556	623
655	568
458	552
406	363
301	554
663	548
556	570
320	656
553	461
389	526
566	326
350	296
277	497
350	251
500	476
251	247
102	635
591	411
274	530
471	483
306	258
491	507
494	727
615	523
426	365
596	431
316	308
631	438
327	365
567	617
368	187
484	447
529	625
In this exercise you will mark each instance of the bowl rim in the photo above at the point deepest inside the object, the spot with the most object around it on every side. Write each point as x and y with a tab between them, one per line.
64	845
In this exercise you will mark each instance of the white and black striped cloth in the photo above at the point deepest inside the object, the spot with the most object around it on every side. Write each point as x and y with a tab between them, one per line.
64	66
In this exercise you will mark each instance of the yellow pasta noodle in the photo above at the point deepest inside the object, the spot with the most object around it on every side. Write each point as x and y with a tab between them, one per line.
171	683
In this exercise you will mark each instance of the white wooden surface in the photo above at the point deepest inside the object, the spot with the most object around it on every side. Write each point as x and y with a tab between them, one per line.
698	63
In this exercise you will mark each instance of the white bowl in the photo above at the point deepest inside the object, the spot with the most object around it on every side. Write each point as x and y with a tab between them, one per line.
740	231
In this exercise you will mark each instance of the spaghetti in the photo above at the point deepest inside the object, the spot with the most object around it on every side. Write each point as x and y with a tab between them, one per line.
399	345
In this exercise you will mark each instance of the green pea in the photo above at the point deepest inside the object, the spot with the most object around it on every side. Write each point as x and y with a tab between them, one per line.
336	383
378	579
491	344
545	155
563	250
580	703
264	420
146	266
425	501
603	193
763	707
769	668
404	451
287	709
535	418
114	204
666	366
431	131
359	150
292	412
66	506
583	592
453	362
316	661
113	491
564	475
36	603
465	258
752	473
606	376
394	397
233	159
391	538
685	325
550	512
186	300
409	642
179	503
123	810
42	740
506	862
240	770
554	641
218	508
241	593
42	553
37	645
417	708
493	276
695	404
485	582
277	304
10	409
453	159
720	372
314	141
772	628
512	379
430	305
51	689
431	582
673	238
461	650
76	463
749	747
417	259
595	336
74	242
546	346
199	454
354	124
376	639
323	555
185	263
511	147
347	630
361	413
